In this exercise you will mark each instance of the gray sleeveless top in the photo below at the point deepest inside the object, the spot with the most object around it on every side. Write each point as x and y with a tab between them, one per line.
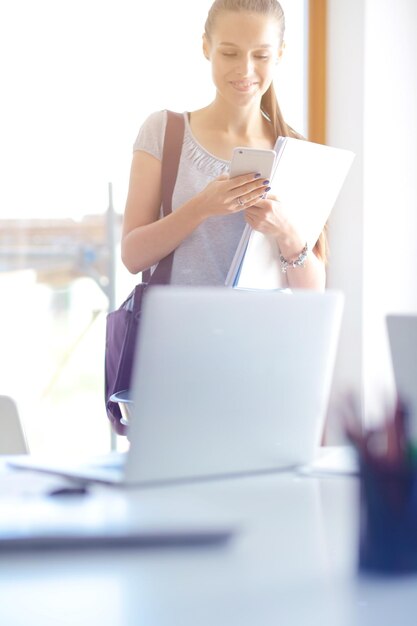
204	257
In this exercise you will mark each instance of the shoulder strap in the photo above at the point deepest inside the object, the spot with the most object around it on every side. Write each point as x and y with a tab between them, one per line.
174	134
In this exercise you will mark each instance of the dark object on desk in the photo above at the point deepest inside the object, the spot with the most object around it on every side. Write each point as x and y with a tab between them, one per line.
145	539
388	492
69	491
122	325
388	519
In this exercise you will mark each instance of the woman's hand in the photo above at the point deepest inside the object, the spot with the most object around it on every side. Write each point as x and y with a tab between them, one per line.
268	216
226	195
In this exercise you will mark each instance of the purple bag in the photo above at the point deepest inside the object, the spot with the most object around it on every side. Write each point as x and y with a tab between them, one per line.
122	324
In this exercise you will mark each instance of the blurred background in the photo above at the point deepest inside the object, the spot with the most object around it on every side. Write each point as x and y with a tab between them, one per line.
78	78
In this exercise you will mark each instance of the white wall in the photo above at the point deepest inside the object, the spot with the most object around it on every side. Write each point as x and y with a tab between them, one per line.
372	104
345	129
390	160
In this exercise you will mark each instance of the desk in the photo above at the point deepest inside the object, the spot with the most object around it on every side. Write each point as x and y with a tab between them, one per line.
292	563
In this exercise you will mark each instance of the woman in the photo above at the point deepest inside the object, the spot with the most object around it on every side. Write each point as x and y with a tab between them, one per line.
243	41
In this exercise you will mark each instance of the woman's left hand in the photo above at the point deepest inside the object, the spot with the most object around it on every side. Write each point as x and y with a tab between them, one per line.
268	217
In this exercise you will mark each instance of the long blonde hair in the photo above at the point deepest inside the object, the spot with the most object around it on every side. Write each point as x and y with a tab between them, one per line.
269	101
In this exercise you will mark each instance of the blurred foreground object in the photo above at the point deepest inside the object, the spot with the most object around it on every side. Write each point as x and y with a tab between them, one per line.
388	492
12	436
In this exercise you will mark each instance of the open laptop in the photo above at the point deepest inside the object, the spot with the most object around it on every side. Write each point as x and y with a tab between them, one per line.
402	334
226	382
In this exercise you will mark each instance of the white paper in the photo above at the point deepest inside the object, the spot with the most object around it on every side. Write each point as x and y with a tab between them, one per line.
307	180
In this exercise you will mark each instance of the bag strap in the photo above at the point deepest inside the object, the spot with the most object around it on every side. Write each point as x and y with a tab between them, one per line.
174	134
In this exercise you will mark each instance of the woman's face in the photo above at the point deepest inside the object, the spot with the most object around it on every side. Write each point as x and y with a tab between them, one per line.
244	49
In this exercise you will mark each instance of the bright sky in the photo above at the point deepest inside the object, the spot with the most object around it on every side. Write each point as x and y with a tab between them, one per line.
79	76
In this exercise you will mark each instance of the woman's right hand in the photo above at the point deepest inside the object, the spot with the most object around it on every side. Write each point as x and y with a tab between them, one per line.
146	239
225	195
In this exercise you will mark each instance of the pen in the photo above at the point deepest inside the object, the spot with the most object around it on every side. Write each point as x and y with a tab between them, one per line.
388	445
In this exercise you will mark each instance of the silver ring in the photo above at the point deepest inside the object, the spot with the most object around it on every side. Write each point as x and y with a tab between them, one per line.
240	201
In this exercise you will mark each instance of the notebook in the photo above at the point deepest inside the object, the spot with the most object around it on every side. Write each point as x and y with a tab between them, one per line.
226	382
402	334
307	180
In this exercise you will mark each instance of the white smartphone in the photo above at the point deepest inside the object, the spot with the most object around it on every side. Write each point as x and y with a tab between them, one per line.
252	160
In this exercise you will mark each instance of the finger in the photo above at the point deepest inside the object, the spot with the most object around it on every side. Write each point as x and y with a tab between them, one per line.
251	198
252	212
261	203
258	187
243	179
251	220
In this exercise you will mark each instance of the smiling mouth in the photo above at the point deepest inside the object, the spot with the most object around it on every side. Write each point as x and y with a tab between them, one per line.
242	85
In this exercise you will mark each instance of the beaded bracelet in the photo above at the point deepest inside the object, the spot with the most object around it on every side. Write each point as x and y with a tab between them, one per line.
299	261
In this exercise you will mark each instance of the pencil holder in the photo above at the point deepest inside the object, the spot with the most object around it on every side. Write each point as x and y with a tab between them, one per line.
388	519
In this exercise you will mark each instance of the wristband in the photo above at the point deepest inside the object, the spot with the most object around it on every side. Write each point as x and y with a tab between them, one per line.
299	261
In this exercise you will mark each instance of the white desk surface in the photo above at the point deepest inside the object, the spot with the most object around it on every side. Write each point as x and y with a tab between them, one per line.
293	562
